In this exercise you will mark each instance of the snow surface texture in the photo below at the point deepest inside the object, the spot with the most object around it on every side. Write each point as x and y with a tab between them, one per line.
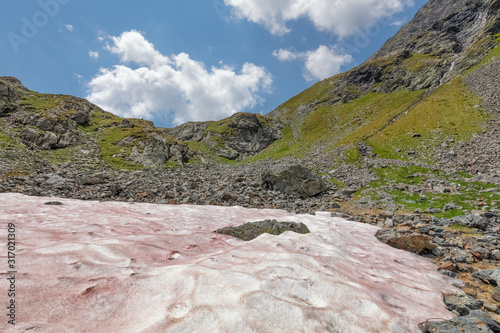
118	267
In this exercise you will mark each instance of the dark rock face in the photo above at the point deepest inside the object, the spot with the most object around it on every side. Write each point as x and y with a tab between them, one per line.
443	27
155	150
295	180
192	131
10	89
235	138
251	230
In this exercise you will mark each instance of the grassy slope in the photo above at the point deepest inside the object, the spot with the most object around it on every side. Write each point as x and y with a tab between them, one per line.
450	112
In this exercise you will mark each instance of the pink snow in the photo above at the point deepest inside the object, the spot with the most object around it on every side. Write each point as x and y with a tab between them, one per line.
89	266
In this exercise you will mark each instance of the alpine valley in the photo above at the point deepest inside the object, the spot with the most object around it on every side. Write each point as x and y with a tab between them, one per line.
408	141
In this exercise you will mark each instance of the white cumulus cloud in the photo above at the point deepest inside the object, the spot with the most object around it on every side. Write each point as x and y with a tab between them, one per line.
285	55
319	64
342	17
173	86
94	55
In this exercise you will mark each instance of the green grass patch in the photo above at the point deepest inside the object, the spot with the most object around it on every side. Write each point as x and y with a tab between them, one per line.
376	111
393	180
450	112
337	182
318	93
461	228
208	153
39	101
352	155
172	165
418	62
7	142
62	155
349	123
410	175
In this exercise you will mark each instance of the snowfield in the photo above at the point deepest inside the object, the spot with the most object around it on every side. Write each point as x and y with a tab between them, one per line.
117	267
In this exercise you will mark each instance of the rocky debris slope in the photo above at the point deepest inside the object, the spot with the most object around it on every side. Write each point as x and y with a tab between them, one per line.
475	321
463	247
481	154
194	184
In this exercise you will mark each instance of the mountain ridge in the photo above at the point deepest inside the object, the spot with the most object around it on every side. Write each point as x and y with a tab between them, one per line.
428	97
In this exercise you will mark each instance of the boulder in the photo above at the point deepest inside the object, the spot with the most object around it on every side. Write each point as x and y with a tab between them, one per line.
462	304
55	179
295	180
491	276
469	324
471	221
450	206
420	244
495	294
251	230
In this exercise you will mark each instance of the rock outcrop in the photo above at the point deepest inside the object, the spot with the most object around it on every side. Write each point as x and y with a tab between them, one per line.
251	230
234	138
60	126
10	93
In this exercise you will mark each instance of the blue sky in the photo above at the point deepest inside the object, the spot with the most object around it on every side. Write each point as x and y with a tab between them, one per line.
173	61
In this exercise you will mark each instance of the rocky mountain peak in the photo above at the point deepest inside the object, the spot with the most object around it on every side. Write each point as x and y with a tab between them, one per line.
444	28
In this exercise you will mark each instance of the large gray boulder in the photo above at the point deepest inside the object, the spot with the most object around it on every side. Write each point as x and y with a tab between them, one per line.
296	180
491	276
471	221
